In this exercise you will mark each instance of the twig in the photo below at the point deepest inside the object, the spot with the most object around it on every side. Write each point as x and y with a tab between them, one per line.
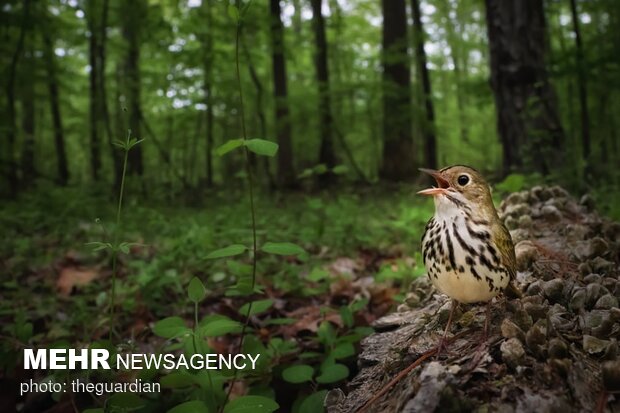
406	371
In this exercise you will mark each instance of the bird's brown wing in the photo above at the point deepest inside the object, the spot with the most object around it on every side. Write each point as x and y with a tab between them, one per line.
507	257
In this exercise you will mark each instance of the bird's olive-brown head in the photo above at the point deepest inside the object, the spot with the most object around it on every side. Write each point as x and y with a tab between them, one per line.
458	187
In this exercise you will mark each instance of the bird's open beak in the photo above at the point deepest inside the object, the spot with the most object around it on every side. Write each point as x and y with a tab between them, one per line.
442	184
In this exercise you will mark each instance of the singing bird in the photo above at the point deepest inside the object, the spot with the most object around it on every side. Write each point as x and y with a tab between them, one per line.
468	252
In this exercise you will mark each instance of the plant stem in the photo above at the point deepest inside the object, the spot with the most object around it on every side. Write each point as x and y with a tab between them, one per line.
252	207
116	236
195	342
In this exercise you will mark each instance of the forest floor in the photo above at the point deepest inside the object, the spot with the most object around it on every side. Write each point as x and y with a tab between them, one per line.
361	247
361	254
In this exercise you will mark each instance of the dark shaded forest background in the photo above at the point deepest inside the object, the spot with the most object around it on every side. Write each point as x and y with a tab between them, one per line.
374	89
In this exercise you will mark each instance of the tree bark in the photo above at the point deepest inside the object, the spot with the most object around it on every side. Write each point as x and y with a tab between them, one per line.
456	55
10	164
103	95
582	84
399	162
430	141
286	170
52	85
134	16
326	152
208	89
28	119
527	116
93	79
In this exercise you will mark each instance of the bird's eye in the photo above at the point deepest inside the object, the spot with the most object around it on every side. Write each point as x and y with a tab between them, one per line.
463	180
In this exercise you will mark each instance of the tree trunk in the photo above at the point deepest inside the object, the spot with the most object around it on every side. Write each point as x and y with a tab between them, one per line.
93	78
456	55
527	116
10	164
326	152
583	88
52	85
286	171
430	141
208	89
28	120
105	113
399	162
134	16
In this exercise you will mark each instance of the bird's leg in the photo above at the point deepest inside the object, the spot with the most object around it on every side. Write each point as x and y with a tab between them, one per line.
442	342
485	333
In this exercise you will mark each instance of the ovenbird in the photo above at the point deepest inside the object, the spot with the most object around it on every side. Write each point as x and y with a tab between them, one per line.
468	252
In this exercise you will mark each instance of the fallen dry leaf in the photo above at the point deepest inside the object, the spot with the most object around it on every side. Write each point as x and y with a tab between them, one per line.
74	277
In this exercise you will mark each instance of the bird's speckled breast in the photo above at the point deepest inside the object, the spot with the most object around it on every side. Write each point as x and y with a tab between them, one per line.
461	260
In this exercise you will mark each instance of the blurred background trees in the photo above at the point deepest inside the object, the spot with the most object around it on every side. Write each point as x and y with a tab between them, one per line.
376	88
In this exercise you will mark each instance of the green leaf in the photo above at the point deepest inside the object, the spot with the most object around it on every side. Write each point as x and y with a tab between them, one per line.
347	316
262	147
257	307
282	248
333	373
193	406
298	374
320	169
125	401
340	169
133	142
313	403
170	327
98	410
233	12
233	143
220	327
251	404
196	290
343	350
98	246
177	380
326	333
228	251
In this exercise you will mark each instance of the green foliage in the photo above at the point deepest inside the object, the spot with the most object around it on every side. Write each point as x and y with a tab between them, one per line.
170	327
251	404
192	406
196	290
262	147
282	248
229	251
255	307
298	374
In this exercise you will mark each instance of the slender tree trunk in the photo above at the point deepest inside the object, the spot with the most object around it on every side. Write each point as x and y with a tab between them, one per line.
399	162
583	88
527	116
326	152
10	164
28	120
93	77
297	23
134	15
103	95
456	54
286	170
208	89
430	141
52	85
